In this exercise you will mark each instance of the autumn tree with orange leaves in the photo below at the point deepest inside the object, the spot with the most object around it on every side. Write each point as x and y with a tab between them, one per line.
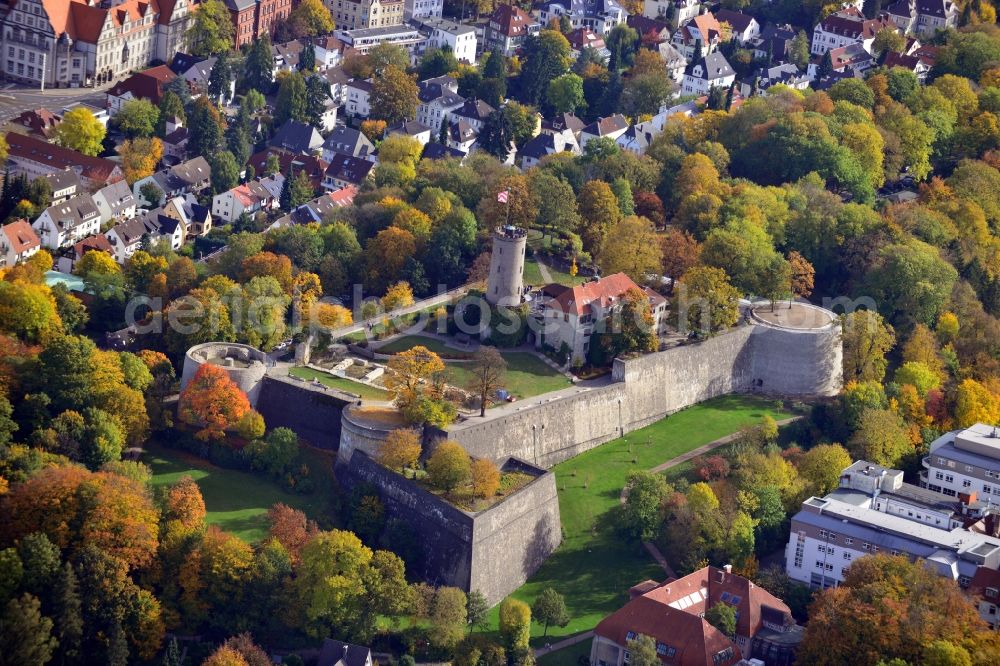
290	528
213	401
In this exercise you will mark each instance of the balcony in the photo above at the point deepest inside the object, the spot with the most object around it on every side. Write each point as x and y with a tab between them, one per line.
926	462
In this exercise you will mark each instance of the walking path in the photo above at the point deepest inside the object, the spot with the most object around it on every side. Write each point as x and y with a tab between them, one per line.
544	270
683	458
564	643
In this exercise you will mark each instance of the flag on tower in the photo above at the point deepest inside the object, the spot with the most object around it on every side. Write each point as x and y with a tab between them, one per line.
502	196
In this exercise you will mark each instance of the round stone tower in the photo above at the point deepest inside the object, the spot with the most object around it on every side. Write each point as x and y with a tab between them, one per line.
505	284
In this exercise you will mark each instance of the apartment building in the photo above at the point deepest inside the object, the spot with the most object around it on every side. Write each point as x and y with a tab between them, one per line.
965	462
875	511
18	241
848	26
442	33
601	16
350	15
923	17
507	29
256	18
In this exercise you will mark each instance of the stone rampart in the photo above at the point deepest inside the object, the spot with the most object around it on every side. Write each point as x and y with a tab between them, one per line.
312	411
493	551
244	364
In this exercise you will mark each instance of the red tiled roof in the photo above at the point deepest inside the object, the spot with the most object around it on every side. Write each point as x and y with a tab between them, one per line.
21	236
39	121
344	196
513	21
577	300
98	242
671	614
147	84
96	169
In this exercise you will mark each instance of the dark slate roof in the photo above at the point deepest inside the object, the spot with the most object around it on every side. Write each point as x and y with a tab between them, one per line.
296	137
349	169
474	109
607	125
348	141
182	62
338	653
737	20
715	66
439	151
407	127
563	121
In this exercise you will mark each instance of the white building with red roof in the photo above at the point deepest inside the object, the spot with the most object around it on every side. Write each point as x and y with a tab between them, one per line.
507	29
848	26
18	241
673	615
572	315
250	198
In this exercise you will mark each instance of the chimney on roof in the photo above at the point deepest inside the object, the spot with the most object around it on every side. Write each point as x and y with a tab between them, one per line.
728	568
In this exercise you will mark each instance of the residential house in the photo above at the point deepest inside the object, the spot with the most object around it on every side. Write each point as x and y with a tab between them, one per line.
712	72
785	74
440	151
286	56
350	15
175	142
442	33
346	171
571	315
584	38
64	184
742	27
18	241
358	94
67	260
846	27
348	141
774	42
253	19
126	237
874	511
40	122
473	111
192	176
651	31
329	52
197	219
338	80
317	209
250	198
673	615
148	84
674	61
413	129
35	158
850	60
985	592
416	9
636	139
920	61
438	99
547	143
63	224
601	16
338	653
678	12
702	32
562	122
609	126
199	73
461	136
290	165
507	29
296	137
115	202
163	227
923	17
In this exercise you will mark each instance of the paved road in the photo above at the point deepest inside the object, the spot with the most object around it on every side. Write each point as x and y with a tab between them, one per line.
16	99
440	299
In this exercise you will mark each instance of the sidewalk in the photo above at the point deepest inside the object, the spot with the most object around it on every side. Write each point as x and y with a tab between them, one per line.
564	643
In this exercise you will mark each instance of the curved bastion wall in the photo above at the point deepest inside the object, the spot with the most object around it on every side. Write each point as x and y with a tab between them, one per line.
359	433
797	352
244	364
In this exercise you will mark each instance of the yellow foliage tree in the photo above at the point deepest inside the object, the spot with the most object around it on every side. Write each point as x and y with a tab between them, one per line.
96	262
400	449
974	403
485	478
140	157
398	295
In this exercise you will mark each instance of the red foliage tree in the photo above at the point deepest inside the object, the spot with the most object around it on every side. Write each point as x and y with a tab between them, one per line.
649	206
213	401
712	468
290	528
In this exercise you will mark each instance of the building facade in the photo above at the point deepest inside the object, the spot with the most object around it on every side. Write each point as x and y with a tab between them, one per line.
350	15
965	462
874	511
256	18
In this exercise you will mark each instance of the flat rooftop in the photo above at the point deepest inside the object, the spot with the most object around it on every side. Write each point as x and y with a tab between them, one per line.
796	316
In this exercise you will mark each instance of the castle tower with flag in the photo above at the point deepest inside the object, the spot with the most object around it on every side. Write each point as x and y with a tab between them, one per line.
505	284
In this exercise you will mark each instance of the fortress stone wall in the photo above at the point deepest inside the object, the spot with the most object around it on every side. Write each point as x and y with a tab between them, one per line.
312	411
494	551
758	358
